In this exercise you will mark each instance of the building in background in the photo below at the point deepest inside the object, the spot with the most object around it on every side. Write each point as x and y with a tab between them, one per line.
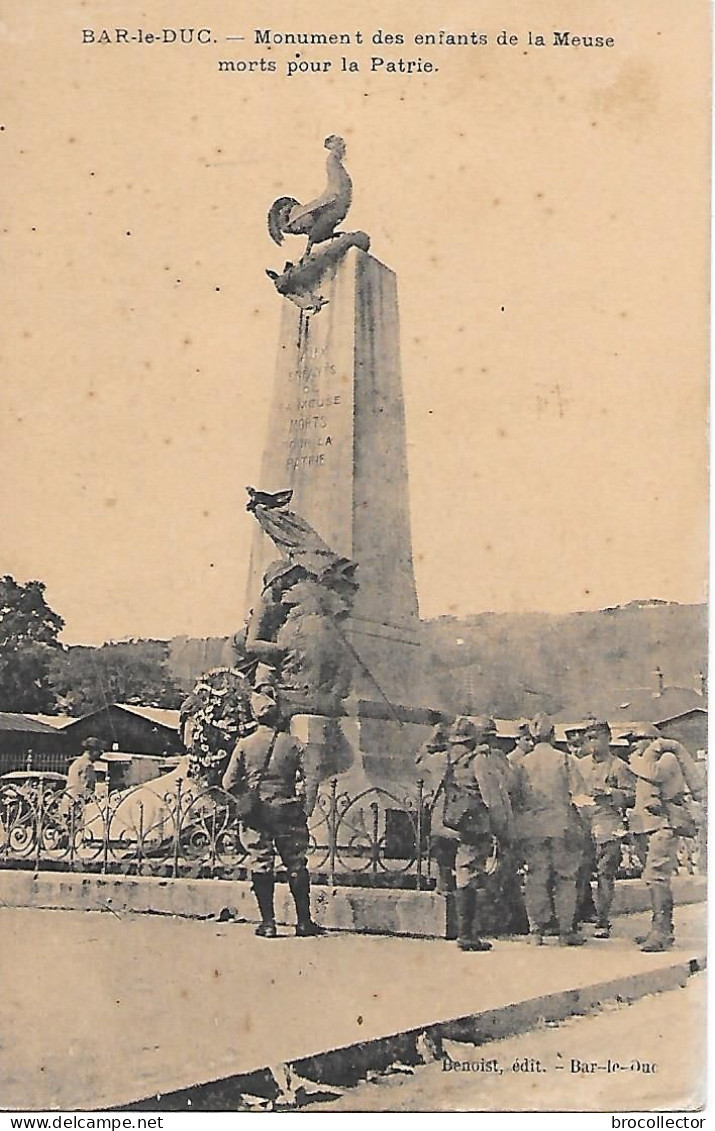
678	712
26	741
129	728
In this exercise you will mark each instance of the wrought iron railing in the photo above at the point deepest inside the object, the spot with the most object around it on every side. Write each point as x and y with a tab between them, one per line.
377	837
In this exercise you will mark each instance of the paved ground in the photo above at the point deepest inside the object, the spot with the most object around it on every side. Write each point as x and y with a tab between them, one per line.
99	1010
665	1032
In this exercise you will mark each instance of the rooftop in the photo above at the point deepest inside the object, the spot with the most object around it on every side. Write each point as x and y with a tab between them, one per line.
162	716
642	703
24	724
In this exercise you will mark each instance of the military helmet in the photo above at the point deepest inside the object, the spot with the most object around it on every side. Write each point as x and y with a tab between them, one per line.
542	728
592	725
278	569
463	730
485	726
640	731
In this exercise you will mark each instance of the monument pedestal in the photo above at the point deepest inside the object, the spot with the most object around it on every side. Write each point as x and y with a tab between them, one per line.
337	438
363	751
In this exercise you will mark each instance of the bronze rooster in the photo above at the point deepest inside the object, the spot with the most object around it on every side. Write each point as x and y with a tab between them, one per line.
318	219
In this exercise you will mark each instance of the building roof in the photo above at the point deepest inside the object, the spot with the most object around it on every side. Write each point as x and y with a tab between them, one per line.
23	724
158	716
161	716
640	703
57	722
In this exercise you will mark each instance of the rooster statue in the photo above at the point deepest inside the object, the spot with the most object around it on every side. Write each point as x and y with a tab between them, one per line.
318	219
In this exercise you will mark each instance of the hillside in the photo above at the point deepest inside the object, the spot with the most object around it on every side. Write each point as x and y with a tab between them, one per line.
513	664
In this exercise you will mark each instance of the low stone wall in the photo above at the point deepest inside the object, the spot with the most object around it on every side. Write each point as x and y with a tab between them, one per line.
373	910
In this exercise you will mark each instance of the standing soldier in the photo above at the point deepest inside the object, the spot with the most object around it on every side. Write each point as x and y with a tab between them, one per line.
523	745
548	827
477	807
611	786
666	782
82	776
268	775
431	759
81	785
585	907
503	886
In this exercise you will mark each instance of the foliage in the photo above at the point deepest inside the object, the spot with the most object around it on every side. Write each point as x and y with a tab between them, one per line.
132	671
29	631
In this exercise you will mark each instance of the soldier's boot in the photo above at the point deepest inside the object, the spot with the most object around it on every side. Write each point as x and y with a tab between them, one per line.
299	885
445	878
585	905
572	938
660	935
666	901
466	905
604	898
263	890
668	914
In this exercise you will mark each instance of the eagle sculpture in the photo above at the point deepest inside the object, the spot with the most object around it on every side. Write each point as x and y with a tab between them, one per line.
266	499
319	218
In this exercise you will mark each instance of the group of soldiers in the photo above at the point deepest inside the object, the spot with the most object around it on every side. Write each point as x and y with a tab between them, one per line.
560	818
554	818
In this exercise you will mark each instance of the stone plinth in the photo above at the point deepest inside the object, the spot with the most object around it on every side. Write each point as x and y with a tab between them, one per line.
362	750
337	437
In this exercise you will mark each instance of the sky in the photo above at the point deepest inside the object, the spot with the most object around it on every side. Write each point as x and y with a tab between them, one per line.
546	212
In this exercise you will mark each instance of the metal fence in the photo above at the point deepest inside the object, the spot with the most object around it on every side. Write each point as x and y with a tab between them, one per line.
36	760
377	838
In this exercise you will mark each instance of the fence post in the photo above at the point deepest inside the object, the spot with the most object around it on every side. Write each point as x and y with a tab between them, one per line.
177	829
107	822
140	839
38	826
72	830
420	795
332	830
375	808
213	842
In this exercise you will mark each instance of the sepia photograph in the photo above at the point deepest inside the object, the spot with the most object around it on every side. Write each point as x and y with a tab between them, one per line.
354	571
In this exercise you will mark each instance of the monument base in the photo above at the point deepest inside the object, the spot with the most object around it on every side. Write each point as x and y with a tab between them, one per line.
369	747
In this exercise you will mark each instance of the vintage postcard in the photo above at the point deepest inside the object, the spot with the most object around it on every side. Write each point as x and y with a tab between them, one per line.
353	586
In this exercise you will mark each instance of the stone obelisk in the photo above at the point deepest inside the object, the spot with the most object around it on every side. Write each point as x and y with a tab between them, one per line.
337	436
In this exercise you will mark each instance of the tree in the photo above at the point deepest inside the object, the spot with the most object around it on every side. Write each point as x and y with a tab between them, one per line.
132	671
29	631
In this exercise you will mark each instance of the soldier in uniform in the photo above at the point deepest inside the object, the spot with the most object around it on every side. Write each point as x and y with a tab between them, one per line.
611	786
523	745
550	834
666	783
82	776
81	784
269	766
477	807
503	886
585	907
431	760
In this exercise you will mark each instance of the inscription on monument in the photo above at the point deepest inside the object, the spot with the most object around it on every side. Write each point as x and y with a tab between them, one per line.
314	413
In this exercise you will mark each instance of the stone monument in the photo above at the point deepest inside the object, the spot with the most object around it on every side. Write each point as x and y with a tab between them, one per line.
336	439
